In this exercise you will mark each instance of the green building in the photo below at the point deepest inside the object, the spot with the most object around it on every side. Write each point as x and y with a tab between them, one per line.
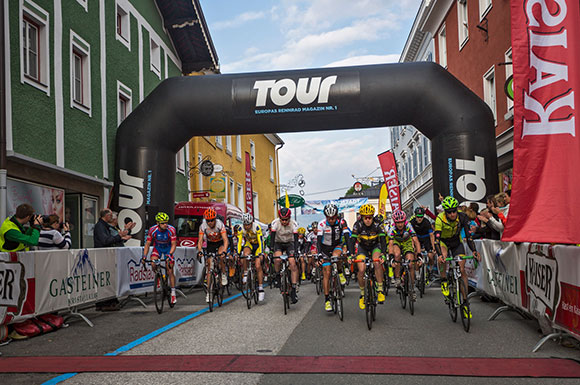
74	69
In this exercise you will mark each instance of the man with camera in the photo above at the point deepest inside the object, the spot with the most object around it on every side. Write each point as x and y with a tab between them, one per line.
13	235
54	234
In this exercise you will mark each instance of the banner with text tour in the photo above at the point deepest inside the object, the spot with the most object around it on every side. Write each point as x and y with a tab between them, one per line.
546	63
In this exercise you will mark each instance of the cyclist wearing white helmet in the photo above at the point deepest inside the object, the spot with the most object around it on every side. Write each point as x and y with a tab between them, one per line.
332	235
250	241
284	239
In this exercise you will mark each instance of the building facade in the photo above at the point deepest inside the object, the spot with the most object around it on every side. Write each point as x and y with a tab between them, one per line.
472	40
229	184
73	71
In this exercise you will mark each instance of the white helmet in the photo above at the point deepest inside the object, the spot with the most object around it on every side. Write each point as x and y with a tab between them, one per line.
330	210
247	218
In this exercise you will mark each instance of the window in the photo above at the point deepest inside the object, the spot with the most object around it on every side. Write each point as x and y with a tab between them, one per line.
229	144
419	154
124	105
155	53
426	155
271	169
253	154
462	22
218	142
123	27
80	73
484	8
180	161
489	90
200	178
256	206
442	39
34	54
239	147
509	70
415	163
241	203
232	192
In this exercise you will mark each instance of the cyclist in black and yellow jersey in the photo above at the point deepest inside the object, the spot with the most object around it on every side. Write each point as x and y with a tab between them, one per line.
250	241
448	225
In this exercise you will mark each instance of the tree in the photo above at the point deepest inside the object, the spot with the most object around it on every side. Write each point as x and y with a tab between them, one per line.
350	191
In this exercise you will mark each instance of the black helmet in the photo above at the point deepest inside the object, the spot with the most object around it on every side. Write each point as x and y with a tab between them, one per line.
284	213
419	212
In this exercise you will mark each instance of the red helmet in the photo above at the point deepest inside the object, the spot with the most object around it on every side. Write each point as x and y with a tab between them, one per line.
209	214
399	216
284	213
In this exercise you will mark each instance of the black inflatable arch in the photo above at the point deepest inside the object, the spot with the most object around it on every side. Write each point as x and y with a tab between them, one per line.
459	124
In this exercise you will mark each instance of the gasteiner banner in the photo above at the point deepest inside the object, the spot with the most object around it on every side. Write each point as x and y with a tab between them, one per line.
249	189
546	65
389	168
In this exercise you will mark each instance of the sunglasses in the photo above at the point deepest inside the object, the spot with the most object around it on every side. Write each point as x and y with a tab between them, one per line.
284	219
210	220
451	211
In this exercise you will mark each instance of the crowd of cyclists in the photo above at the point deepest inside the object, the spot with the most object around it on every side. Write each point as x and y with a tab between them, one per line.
373	243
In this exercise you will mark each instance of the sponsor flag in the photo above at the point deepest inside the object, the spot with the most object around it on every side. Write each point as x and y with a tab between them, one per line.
389	168
287	201
546	66
383	195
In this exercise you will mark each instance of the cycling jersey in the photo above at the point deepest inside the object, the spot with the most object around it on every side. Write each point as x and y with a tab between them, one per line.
284	234
161	240
369	237
250	238
404	235
330	237
422	229
212	235
449	232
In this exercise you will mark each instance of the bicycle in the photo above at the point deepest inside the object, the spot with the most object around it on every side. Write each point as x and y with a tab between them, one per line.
370	295
405	289
317	276
250	288
423	273
456	286
161	289
336	293
285	283
214	282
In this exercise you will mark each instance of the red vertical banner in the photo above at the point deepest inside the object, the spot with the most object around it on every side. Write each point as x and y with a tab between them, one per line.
546	66
249	190
389	168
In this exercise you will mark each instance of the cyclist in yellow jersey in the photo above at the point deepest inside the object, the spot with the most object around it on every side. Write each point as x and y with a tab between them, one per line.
448	225
250	240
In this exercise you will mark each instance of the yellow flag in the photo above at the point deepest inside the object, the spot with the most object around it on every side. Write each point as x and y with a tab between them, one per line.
287	200
383	200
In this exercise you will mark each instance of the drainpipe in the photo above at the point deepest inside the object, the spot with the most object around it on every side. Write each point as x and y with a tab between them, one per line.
277	179
3	170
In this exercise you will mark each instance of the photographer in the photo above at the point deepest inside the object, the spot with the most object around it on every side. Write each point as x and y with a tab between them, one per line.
13	235
51	236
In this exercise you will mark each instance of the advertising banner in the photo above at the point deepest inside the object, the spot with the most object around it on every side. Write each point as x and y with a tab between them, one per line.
315	207
249	190
71	278
45	200
546	66
500	274
389	168
568	310
217	187
383	196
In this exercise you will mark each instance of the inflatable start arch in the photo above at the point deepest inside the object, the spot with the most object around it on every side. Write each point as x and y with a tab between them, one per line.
459	124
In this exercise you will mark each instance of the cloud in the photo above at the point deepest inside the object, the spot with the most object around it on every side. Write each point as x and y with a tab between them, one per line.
238	20
364	60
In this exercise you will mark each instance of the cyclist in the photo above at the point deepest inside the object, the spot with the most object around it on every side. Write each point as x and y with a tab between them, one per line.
163	237
371	238
250	241
448	227
284	239
403	241
424	230
302	251
214	230
332	235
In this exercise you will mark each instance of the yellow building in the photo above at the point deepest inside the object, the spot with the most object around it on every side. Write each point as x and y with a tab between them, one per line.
228	184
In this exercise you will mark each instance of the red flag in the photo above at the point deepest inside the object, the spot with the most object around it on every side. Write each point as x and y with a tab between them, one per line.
546	62
389	167
249	190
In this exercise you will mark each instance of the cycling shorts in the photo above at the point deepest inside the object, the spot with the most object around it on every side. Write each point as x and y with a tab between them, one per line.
364	252
327	251
252	246
426	244
287	248
213	247
405	246
156	254
457	249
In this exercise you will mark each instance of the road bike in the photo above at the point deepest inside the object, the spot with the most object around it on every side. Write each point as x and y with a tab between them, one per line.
455	300
161	289
370	294
406	287
317	275
214	282
250	287
337	291
285	282
422	272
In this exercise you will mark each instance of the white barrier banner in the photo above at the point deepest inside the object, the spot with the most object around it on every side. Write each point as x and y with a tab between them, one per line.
188	270
500	273
70	278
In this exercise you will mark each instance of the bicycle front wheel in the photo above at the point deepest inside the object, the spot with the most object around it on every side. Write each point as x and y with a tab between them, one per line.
452	301
408	289
339	307
158	292
368	302
284	290
247	288
422	280
464	307
167	292
402	291
210	291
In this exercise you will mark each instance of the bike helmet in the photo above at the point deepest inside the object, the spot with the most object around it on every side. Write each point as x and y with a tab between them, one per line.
449	203
247	218
284	213
399	216
309	228
330	210
367	210
419	212
301	230
379	219
162	217
209	214
237	228
314	225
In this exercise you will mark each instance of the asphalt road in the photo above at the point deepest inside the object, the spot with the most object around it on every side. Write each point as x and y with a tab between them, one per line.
306	331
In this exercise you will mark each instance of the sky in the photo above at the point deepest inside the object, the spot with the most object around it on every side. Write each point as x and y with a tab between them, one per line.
272	35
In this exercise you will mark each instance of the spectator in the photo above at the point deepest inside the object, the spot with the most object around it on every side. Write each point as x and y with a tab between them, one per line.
472	215
488	217
50	236
503	203
13	235
116	230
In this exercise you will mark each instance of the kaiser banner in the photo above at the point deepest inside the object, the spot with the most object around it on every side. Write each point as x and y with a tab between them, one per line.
249	190
389	167
546	66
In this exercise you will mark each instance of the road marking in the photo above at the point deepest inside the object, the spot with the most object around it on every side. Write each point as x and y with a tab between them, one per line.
234	363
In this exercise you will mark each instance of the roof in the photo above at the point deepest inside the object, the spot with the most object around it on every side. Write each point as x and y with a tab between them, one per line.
184	22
